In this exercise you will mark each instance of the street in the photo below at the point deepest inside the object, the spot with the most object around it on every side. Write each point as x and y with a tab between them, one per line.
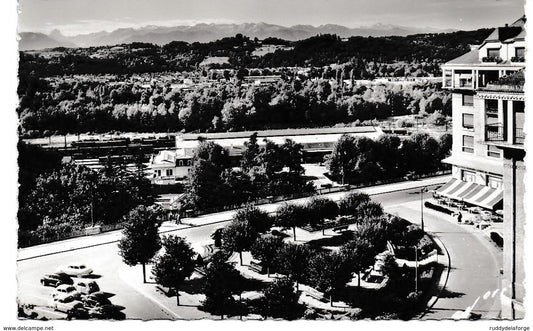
474	272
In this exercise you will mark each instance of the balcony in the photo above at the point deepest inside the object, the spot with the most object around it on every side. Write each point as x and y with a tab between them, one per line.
495	59
495	132
518	59
519	136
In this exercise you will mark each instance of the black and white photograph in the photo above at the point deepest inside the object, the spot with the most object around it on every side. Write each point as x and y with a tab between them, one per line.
357	162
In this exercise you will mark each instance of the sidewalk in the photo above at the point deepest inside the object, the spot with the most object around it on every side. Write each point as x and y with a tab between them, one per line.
114	236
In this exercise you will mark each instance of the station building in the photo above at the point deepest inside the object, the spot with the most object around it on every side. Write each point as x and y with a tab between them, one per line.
171	166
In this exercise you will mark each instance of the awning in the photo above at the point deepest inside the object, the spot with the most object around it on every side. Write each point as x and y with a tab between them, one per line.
479	195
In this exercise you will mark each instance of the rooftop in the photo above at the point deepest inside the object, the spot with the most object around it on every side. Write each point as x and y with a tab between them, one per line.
278	133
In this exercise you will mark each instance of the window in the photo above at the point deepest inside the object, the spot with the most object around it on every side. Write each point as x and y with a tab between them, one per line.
493	52
169	172
494	182
180	163
468	176
520	52
447	78
468	144
468	100
158	173
493	151
468	121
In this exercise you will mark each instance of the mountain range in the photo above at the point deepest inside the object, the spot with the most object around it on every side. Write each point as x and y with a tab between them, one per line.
207	32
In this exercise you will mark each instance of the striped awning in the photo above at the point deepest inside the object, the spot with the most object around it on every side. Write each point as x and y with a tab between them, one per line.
479	195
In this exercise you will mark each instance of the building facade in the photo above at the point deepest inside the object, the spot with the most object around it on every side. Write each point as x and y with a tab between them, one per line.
488	143
172	166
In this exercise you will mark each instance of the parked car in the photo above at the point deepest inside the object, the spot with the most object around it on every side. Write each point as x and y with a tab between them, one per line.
107	312
75	269
79	313
56	279
95	299
92	303
62	292
85	287
65	304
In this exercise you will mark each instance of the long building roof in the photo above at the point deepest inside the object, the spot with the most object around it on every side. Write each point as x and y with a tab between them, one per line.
277	133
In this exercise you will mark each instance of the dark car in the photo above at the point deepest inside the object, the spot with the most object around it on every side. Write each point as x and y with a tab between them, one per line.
91	301
107	312
56	279
78	313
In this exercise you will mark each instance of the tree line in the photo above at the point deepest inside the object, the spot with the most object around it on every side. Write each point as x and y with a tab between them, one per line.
363	160
57	199
320	50
65	106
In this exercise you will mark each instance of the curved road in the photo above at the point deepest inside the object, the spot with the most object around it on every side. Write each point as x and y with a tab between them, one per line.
474	273
474	279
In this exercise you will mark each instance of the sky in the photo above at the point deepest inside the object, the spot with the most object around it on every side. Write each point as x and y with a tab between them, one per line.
85	16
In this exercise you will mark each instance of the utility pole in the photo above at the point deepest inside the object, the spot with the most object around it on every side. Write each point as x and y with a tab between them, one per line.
422	190
416	270
422	208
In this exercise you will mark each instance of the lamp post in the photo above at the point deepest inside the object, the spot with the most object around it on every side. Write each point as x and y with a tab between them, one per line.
422	191
416	270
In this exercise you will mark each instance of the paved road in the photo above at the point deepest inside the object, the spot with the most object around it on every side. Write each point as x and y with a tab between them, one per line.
473	275
106	262
474	278
104	238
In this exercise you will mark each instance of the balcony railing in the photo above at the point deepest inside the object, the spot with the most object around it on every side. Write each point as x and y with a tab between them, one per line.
518	59
496	59
519	136
495	132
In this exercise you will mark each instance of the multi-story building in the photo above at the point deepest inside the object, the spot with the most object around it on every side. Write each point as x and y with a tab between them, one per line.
488	135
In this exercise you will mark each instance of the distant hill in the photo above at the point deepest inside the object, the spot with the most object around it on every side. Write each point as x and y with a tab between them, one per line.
35	41
210	32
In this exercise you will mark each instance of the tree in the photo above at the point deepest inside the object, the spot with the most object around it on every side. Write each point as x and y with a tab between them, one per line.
204	185
320	209
249	156
238	236
140	241
369	210
387	155
266	249
390	267
341	161
349	204
290	216
375	231
420	153
329	272
221	281
175	265
359	254
293	260
269	159
257	219
281	300
292	156
445	145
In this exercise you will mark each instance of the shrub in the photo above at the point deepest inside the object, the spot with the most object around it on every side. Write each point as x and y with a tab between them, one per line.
442	209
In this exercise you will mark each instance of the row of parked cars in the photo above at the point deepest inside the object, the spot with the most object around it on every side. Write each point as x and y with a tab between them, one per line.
79	298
